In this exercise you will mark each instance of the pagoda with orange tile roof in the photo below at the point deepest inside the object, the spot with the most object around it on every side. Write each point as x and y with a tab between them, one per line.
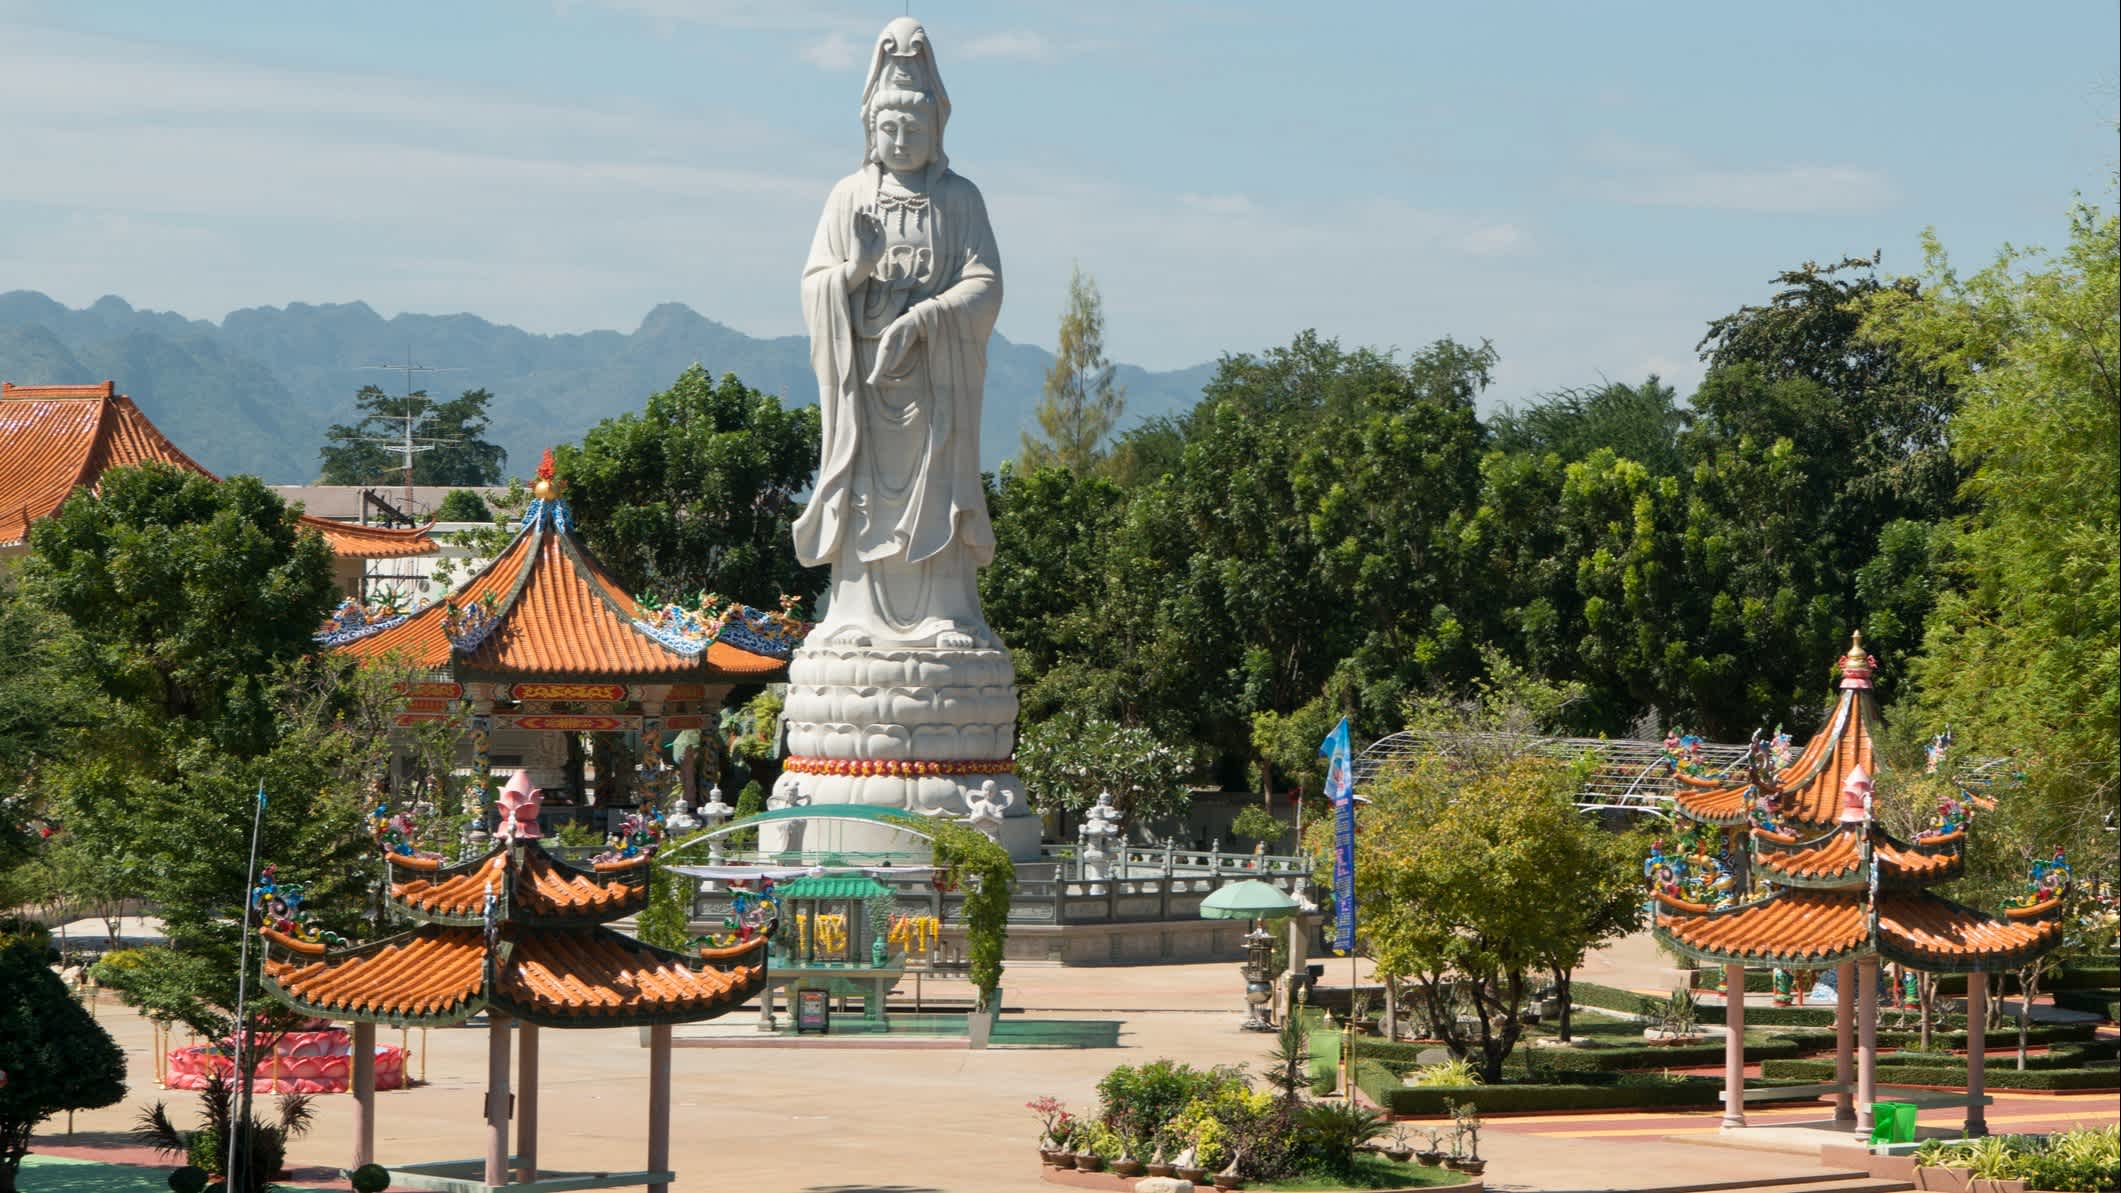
1830	888
520	935
542	640
57	438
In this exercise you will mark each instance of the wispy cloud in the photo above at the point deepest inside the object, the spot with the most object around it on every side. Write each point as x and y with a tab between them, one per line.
1662	176
1016	44
834	51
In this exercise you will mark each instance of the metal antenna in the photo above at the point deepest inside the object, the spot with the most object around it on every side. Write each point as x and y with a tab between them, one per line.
406	444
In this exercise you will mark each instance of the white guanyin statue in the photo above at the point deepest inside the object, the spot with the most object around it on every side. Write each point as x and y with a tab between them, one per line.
902	696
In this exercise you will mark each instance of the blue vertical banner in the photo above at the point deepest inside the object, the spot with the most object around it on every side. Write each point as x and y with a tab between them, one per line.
1340	790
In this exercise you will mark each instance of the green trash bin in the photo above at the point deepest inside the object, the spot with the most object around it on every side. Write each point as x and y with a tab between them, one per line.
1893	1122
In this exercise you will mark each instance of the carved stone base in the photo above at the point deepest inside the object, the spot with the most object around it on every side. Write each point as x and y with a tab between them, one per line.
888	704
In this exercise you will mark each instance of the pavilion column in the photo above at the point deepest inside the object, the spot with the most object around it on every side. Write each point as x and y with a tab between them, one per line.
1845	1042
527	1104
659	1103
1866	1042
1976	1053
1734	1045
364	1094
496	1098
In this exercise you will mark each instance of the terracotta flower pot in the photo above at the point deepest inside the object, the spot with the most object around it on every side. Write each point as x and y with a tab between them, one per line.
1160	1168
1229	1182
1198	1176
1063	1159
1472	1167
1085	1162
1398	1155
1127	1166
1429	1159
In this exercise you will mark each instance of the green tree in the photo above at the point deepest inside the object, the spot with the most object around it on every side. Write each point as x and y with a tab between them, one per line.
1069	760
1635	422
448	438
697	492
55	1055
462	505
2022	655
186	591
1474	871
1080	403
1051	530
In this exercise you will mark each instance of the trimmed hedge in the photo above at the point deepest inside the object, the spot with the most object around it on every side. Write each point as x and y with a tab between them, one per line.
1637	1057
1994	1076
2075	975
1757	981
1627	1002
1582	1095
2091	1002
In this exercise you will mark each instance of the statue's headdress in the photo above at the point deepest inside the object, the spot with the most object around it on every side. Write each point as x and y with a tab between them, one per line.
903	62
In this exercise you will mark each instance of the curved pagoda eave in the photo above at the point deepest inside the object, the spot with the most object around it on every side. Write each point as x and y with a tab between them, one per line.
529	884
1835	859
1814	929
551	614
571	977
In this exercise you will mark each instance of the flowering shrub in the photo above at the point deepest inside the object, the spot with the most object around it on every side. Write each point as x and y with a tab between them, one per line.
1067	760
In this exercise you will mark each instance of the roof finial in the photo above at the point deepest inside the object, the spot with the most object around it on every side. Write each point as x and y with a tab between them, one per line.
547	487
1857	664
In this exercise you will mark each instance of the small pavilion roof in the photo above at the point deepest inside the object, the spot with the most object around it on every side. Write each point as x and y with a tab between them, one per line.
585	976
1835	858
831	886
545	608
1810	929
1810	787
527	882
56	438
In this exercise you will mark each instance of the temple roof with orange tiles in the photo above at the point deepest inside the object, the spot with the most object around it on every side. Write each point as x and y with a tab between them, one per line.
57	438
545	609
1830	884
516	930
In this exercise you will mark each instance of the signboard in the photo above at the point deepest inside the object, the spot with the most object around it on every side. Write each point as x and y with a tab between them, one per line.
813	1011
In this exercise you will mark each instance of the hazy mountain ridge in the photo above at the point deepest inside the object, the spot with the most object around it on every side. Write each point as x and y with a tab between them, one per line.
255	392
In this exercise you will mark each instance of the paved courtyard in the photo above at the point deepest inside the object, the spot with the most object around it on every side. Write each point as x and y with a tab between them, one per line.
850	1117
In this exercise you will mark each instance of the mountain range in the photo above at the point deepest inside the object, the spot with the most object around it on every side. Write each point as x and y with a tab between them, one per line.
255	392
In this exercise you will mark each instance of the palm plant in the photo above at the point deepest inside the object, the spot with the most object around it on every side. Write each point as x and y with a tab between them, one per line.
207	1147
1289	1060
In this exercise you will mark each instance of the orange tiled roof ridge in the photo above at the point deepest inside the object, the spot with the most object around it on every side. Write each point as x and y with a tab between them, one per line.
585	976
56	438
1811	929
528	883
1836	858
555	613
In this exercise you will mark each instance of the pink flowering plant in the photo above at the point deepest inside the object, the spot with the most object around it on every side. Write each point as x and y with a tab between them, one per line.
1059	1124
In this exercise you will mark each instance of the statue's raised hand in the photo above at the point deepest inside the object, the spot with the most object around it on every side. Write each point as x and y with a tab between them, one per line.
868	242
894	346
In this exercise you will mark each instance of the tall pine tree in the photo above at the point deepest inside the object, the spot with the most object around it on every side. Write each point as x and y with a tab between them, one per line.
1081	402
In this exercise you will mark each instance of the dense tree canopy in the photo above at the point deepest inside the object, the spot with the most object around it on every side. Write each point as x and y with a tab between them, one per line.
696	493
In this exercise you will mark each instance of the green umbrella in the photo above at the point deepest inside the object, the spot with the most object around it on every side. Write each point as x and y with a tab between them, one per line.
1247	900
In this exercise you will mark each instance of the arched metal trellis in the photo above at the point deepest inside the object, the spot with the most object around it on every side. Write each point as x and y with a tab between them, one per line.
1628	776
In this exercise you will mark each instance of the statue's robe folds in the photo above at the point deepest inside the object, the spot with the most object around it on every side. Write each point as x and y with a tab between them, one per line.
898	511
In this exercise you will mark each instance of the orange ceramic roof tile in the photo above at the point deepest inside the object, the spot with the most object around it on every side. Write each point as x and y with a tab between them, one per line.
1938	935
454	892
560	616
1717	805
1838	857
62	436
1795	926
430	973
572	974
544	887
351	540
1811	785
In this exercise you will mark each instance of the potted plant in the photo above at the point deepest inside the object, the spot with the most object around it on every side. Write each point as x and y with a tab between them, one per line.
1049	1109
1128	1164
1186	1166
1063	1133
1095	1146
1432	1155
1229	1178
1400	1151
1158	1165
1465	1140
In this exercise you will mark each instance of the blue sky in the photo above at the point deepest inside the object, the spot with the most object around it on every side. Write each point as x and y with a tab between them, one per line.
1586	185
